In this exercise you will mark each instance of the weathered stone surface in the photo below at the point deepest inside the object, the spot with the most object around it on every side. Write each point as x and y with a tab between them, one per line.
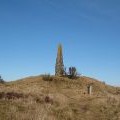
59	67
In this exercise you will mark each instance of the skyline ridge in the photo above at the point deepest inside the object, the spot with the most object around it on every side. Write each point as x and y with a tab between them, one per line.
89	31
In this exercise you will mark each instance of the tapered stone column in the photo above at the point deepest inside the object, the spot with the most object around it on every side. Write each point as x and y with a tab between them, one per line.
59	66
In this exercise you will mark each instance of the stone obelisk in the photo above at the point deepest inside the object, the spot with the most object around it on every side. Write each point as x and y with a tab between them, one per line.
59	66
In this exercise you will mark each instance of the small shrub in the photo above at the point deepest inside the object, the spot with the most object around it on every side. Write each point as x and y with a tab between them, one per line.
1	80
48	100
11	95
72	72
47	77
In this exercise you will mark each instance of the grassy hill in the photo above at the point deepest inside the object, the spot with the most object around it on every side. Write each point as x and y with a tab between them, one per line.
58	98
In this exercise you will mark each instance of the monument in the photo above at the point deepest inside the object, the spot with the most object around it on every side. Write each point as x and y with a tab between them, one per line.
59	66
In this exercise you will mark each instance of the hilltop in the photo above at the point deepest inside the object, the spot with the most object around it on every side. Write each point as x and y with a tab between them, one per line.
58	98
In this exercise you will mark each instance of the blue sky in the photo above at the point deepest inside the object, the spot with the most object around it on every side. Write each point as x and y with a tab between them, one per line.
89	31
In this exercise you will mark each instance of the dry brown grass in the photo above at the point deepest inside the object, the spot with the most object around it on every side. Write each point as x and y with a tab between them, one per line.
58	99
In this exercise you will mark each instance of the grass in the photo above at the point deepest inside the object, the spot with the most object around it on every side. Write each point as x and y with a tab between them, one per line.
58	98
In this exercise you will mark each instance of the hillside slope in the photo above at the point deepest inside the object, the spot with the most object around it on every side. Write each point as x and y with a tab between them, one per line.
58	98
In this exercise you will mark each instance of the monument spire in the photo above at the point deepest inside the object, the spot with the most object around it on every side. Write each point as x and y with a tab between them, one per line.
59	67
